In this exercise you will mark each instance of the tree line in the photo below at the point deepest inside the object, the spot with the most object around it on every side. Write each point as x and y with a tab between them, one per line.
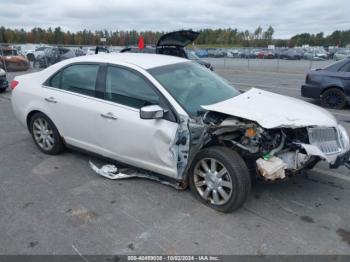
225	37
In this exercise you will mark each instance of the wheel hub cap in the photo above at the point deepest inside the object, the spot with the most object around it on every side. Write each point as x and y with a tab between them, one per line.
43	134
212	181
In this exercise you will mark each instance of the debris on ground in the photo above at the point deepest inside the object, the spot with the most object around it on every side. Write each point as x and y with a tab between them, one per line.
114	173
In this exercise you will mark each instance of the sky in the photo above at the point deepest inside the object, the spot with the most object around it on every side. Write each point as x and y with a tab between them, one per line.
288	17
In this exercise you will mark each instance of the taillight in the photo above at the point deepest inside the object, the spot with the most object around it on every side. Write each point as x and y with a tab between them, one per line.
13	84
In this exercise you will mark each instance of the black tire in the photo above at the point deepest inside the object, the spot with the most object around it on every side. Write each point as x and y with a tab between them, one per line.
236	170
57	144
333	98
30	57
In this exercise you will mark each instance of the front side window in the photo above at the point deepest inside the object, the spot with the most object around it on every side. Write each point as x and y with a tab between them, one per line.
128	88
79	79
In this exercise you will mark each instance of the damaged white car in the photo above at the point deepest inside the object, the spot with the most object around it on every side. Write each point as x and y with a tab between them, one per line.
176	119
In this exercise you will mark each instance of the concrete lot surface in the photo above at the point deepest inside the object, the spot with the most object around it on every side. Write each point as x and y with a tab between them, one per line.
58	205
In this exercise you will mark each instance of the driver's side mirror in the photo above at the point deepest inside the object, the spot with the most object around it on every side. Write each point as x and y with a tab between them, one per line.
151	112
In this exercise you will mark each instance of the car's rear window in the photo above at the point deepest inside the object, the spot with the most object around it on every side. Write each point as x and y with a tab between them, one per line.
336	66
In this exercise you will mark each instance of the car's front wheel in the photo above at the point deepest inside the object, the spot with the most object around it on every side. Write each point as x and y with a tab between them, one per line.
220	179
333	98
45	134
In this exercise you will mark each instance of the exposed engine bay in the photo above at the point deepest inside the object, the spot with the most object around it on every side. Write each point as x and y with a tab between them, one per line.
273	153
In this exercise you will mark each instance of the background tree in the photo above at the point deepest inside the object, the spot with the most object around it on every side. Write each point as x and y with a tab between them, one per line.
222	36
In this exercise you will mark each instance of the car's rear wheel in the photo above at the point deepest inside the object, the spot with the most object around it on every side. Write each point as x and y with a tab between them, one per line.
333	98
220	179
45	134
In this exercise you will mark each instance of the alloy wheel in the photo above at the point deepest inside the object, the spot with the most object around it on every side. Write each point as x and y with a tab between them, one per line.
333	98
212	181
43	134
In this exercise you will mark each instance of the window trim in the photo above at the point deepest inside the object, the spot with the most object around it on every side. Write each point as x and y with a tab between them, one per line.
100	86
171	115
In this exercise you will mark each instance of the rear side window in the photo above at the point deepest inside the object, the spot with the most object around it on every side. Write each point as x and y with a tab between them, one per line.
55	80
345	68
128	88
76	78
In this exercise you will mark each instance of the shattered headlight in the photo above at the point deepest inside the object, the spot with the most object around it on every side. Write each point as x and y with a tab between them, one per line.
343	137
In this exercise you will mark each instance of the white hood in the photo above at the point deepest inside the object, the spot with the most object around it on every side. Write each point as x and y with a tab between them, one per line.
271	110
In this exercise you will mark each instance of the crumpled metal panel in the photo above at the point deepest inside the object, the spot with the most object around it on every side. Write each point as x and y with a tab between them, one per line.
114	173
272	110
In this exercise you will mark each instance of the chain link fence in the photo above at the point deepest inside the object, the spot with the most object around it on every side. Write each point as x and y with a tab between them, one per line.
284	60
288	60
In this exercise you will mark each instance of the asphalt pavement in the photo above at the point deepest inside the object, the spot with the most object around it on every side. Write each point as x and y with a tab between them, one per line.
58	205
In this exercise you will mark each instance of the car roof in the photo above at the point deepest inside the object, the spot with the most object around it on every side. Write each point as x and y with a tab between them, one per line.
145	61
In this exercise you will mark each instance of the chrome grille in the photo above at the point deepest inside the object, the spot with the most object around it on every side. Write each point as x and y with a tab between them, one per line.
326	139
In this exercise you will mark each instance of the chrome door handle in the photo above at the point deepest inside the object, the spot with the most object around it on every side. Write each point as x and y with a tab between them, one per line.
109	116
51	100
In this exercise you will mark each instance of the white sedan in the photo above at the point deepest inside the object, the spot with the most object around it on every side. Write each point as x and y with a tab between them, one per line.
177	119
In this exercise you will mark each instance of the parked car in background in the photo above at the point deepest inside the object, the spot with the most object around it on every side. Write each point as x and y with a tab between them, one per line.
25	48
321	55
65	53
201	53
173	44
249	53
11	60
341	54
37	52
173	117
316	55
80	51
266	54
46	57
289	54
234	53
331	85
220	52
210	52
191	55
52	55
308	55
3	81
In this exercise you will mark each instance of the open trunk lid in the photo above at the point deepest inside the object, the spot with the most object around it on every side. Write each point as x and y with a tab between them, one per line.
178	38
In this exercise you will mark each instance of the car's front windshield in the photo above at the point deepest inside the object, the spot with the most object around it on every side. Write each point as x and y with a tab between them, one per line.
193	85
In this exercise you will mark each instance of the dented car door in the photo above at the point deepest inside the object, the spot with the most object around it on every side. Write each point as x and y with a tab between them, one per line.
144	143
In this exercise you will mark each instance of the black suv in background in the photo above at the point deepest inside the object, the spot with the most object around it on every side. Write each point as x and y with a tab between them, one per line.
173	44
